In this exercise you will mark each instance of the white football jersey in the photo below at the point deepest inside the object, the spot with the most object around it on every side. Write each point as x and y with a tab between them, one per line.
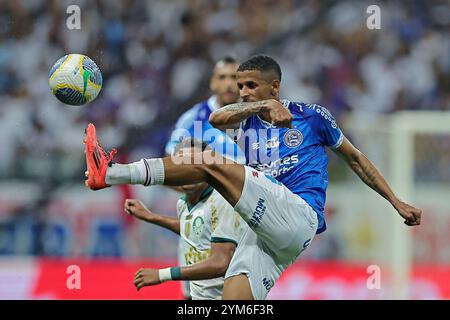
212	219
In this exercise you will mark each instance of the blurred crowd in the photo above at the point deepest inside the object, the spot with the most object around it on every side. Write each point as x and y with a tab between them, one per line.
156	58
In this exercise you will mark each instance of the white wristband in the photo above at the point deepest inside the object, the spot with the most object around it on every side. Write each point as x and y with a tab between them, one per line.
164	275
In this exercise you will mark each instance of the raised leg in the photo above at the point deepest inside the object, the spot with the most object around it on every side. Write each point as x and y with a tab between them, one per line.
226	178
237	288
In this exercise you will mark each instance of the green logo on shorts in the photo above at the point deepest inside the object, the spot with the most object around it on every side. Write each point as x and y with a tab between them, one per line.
197	225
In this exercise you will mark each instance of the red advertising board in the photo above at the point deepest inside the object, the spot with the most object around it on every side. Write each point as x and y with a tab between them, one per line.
113	279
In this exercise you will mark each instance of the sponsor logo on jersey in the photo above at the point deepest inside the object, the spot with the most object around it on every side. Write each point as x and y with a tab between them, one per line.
267	283
271	143
193	255
258	213
306	243
277	167
275	164
293	138
324	113
255	174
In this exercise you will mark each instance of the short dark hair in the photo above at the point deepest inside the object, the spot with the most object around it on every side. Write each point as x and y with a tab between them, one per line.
190	143
262	63
228	59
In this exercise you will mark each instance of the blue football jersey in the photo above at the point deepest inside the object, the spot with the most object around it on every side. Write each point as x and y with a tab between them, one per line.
195	123
295	157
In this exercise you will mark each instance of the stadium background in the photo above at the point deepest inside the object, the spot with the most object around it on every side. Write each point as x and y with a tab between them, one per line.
156	57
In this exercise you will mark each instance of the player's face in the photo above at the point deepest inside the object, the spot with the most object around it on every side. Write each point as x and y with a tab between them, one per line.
223	83
190	188
254	87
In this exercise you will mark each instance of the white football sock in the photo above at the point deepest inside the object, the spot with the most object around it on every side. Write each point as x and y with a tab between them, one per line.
157	175
145	172
133	173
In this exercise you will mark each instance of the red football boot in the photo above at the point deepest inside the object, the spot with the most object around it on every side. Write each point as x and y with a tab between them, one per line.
97	160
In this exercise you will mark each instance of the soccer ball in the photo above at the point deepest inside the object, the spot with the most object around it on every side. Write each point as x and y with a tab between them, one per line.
75	79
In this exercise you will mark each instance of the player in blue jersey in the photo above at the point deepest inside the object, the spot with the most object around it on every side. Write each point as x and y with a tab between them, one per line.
284	210
194	122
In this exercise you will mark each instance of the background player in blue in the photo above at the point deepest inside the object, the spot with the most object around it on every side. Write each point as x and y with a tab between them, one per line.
194	122
281	222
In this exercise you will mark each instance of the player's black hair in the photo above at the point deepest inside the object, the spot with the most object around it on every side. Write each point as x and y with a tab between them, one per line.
190	142
228	59
262	63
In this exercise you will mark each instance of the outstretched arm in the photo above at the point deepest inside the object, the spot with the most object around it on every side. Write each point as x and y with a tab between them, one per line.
370	175
213	267
230	116
140	211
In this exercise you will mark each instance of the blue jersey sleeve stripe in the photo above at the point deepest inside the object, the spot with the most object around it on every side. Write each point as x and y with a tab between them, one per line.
339	142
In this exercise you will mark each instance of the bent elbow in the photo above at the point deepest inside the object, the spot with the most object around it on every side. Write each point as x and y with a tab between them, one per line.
354	157
221	266
356	161
220	271
217	121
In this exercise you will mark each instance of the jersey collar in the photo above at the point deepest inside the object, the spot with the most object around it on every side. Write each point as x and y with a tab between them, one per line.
205	194
212	103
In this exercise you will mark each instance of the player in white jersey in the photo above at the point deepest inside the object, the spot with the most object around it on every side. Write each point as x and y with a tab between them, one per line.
209	230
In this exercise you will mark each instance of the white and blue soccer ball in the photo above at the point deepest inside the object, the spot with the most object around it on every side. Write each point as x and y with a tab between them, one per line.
75	79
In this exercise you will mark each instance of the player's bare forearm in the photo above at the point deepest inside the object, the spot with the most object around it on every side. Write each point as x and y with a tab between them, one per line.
230	116
203	270
137	209
170	223
167	222
370	175
366	170
214	266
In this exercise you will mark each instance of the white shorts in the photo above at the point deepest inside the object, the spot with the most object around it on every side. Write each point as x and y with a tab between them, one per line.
281	225
186	289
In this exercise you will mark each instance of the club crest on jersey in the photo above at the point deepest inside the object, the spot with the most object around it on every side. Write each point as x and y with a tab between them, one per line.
293	138
197	225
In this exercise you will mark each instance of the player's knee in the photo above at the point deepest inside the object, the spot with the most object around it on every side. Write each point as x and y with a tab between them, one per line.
237	288
212	165
213	159
210	170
